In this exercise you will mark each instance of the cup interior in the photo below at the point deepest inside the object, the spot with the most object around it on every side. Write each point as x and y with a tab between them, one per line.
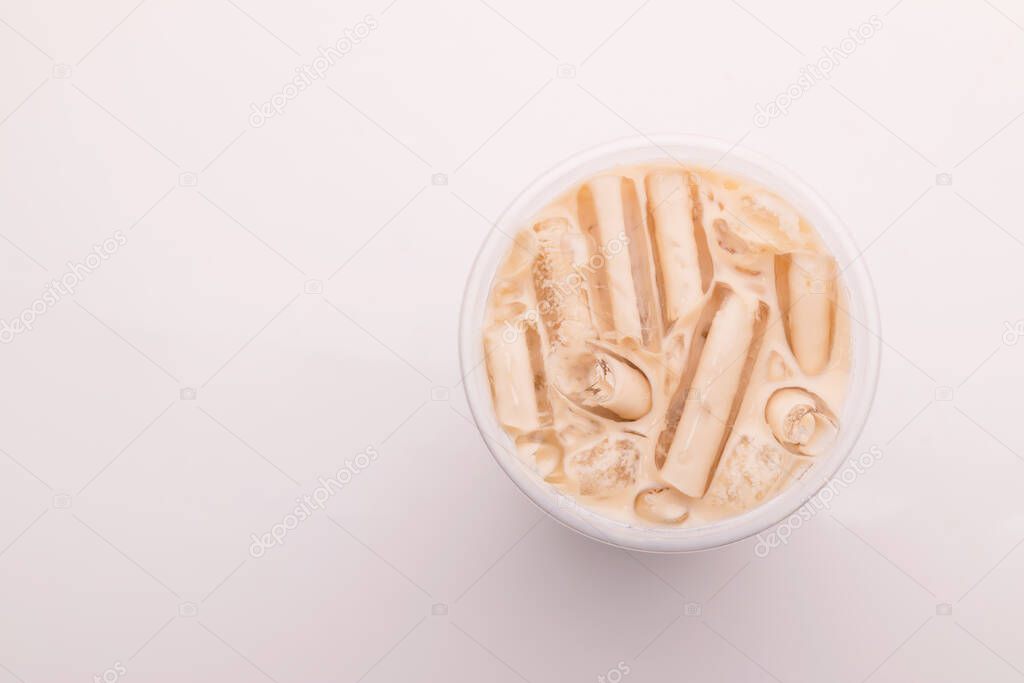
707	153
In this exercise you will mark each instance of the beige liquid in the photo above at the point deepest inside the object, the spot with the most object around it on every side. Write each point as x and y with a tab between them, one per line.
667	345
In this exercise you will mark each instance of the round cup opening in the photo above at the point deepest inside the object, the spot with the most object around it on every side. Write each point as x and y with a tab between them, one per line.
699	151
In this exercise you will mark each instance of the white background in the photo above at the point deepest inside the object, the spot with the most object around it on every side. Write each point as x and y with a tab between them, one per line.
126	512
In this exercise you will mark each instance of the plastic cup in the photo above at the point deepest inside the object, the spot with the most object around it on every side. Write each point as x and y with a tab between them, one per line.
701	152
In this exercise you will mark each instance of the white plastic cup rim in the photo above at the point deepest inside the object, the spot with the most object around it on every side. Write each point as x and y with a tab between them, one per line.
730	159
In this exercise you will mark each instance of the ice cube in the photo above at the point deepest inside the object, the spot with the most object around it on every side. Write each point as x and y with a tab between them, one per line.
605	467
